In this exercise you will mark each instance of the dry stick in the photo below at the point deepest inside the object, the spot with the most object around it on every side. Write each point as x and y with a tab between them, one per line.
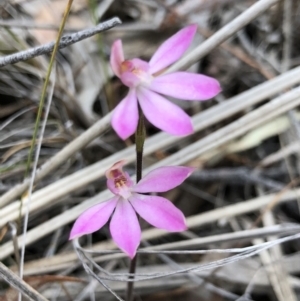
280	154
19	284
236	104
65	41
287	33
234	236
223	34
253	119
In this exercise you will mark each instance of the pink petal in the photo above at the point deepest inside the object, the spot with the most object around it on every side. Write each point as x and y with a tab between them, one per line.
159	212
163	179
172	49
125	116
94	218
187	86
164	114
130	79
116	57
125	228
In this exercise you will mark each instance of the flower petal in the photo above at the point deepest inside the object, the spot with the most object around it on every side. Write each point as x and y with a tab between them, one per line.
172	49
125	228
116	57
159	212
187	86
93	218
163	179
125	116
164	114
130	79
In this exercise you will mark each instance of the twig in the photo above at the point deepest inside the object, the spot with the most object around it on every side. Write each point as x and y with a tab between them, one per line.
65	41
280	154
19	284
287	33
235	175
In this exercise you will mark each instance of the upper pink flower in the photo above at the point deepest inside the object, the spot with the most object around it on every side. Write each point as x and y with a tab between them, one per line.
145	83
124	226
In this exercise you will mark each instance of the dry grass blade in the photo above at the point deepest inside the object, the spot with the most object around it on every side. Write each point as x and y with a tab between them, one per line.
19	284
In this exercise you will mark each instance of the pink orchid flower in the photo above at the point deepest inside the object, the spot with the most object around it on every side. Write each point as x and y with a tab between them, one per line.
145	86
128	200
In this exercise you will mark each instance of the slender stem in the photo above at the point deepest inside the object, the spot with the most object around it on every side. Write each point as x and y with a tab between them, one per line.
129	293
139	142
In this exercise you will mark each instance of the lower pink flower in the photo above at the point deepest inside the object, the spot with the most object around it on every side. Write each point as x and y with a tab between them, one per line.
128	200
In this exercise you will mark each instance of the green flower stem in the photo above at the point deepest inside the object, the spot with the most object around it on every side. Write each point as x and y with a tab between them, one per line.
140	136
139	142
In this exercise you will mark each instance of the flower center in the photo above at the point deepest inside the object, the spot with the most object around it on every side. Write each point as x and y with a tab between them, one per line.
120	182
127	66
122	187
135	72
